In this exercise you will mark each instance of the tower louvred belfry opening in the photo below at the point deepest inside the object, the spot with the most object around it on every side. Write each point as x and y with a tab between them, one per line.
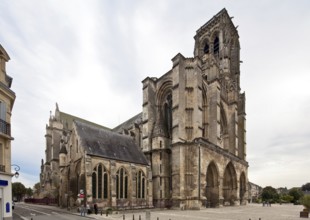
186	149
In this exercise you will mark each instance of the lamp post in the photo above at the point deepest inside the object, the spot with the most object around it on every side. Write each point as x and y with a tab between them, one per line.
16	168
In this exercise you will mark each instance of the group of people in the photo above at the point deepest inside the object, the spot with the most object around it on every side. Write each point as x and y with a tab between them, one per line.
266	203
86	209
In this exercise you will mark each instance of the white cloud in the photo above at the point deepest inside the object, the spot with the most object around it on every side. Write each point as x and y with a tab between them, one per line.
91	58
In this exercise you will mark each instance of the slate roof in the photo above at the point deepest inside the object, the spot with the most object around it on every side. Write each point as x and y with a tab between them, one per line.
108	144
68	119
137	119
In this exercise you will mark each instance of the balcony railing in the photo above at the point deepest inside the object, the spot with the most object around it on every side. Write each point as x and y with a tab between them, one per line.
5	127
2	168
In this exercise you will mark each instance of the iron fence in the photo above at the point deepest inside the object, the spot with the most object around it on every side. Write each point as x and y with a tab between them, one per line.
5	127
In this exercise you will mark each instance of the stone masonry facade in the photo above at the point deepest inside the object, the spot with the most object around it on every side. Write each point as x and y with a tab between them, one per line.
7	99
189	140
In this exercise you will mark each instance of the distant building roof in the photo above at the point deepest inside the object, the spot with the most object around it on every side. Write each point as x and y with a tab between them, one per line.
127	124
105	143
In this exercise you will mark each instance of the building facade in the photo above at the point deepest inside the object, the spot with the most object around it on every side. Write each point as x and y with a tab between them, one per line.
255	192
191	129
86	162
7	98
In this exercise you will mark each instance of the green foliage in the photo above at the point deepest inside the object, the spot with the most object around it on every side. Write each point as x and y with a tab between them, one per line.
296	193
286	199
306	187
270	194
305	201
18	190
29	192
259	200
37	188
256	200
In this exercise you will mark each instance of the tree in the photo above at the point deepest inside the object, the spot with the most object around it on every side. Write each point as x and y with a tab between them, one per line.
18	190
37	188
29	192
296	193
305	201
270	194
306	187
286	198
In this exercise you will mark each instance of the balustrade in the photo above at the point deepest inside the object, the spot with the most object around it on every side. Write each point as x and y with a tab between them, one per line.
5	127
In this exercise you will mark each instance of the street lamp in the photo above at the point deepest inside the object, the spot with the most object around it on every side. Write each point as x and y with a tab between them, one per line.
16	168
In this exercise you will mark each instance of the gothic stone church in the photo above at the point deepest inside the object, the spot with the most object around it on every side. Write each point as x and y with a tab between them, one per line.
186	149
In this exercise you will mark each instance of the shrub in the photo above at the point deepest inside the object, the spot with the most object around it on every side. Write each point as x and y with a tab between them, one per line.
305	201
296	193
286	199
109	211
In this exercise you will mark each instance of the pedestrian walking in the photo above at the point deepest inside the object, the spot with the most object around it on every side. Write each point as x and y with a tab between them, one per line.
88	209
96	208
82	210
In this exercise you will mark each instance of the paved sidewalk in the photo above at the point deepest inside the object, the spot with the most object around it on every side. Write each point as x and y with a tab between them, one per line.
251	211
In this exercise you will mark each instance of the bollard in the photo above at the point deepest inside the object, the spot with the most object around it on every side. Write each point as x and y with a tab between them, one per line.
123	217
157	218
139	217
259	219
147	215
101	212
133	217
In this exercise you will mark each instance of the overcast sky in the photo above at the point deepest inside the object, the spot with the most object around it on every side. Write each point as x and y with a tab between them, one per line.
90	57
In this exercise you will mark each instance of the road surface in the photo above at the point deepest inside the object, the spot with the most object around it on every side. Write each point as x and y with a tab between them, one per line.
24	211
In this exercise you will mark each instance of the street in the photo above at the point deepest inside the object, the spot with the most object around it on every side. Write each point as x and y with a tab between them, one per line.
24	211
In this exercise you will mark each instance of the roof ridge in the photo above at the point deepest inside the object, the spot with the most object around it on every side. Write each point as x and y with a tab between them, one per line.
73	117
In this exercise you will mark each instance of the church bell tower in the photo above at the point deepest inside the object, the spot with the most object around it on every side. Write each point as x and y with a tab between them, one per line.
194	122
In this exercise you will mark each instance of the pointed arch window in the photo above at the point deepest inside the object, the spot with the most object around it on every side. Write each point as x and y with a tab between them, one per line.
121	184
216	45
94	185
100	182
168	114
140	185
223	122
206	48
204	112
